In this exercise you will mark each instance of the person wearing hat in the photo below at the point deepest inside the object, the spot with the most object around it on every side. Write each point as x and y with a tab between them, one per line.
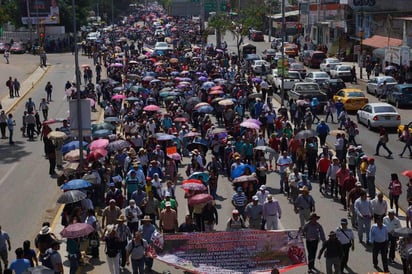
370	176
392	222
351	156
43	239
313	232
333	253
379	240
146	229
155	168
262	194
168	219
346	238
304	205
239	200
133	213
124	234
114	193
253	213
283	162
364	214
331	176
271	213
235	222
304	182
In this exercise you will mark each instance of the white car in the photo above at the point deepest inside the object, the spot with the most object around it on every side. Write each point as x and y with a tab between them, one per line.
288	81
374	85
379	114
328	64
317	77
161	46
257	66
343	72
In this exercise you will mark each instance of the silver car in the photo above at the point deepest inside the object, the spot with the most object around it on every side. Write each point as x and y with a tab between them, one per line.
317	77
374	85
374	115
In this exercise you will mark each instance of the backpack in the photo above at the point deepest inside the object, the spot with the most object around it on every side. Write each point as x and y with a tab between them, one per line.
395	188
46	259
142	244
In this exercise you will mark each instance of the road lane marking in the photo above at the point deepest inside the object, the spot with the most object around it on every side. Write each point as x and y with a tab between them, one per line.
9	171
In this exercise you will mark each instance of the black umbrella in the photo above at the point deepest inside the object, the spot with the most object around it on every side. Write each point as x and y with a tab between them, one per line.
305	134
403	232
71	196
199	145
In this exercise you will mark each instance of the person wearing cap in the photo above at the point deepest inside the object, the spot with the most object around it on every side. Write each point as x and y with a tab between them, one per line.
304	205
370	176
392	222
262	194
378	236
146	229
364	214
304	182
236	222
346	238
239	200
313	232
333	253
114	193
124	234
253	213
331	176
168	219
283	162
379	206
110	214
271	213
133	213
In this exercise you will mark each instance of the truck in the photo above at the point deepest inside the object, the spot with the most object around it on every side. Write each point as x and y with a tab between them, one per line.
308	90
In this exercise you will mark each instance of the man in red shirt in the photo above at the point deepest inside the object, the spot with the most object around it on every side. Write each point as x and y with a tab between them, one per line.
341	175
274	143
323	166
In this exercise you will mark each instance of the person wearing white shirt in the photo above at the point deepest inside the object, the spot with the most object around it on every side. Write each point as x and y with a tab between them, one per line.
262	194
392	222
346	238
379	206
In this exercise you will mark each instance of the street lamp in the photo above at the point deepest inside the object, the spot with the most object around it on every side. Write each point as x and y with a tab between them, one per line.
361	52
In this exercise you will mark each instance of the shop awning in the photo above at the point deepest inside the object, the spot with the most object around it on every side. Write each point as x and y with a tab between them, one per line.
377	41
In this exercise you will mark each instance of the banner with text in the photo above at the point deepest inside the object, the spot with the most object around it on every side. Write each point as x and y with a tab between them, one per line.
244	251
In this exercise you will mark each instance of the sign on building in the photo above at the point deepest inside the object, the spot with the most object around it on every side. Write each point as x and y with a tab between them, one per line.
43	12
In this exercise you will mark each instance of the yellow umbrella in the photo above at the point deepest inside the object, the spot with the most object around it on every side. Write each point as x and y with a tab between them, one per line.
74	155
57	135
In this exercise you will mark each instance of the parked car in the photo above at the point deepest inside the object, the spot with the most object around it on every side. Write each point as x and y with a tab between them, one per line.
343	72
4	47
257	66
400	95
379	114
299	67
374	85
269	54
352	98
291	50
314	59
331	86
317	77
288	81
257	36
17	48
328	64
304	54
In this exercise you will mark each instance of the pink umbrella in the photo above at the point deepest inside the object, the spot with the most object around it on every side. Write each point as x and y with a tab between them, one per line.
116	65
254	121
201	104
119	97
151	108
97	154
77	230
192	134
200	198
194	186
250	125
175	156
99	143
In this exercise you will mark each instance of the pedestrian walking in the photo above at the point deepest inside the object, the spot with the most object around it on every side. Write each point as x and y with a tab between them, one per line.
253	212
7	56
271	213
353	74
124	234
16	87
49	90
395	190
11	123
5	246
363	210
383	140
73	252
376	70
333	253
112	249
136	251
379	238
239	200
304	205
370	177
313	232
392	222
44	108
20	264
346	238
407	138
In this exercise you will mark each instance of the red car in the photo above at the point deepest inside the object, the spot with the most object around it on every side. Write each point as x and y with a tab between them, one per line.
17	48
256	35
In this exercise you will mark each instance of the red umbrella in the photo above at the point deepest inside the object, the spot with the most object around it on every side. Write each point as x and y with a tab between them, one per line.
216	92
50	121
201	104
200	198
151	108
97	154
189	181
216	88
119	97
99	143
180	119
192	134
407	173
194	186
77	230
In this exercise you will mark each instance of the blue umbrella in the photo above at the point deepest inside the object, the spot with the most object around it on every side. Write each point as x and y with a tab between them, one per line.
203	78
240	170
203	176
72	146
205	109
207	85
164	137
76	184
101	133
175	73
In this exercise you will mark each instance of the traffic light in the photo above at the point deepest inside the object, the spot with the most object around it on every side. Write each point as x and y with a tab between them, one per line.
41	35
299	26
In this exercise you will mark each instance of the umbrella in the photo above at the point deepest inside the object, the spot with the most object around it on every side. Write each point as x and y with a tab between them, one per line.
90	177
70	168
71	196
57	135
147	78
175	156
201	104
255	95
218	99
104	125
116	65
119	97
200	198
336	132
403	232
97	154
216	92
205	109
199	144
180	119
200	176
265	149
202	78
74	155
72	146
98	144
194	186
118	145
250	125
49	121
76	184
304	134
101	133
219	130
132	99
256	80
407	173
40	269
192	134
245	178
85	66
112	119
208	84
132	76
151	108
254	121
240	170
226	102
189	181
173	60
77	230
216	88
164	137
118	89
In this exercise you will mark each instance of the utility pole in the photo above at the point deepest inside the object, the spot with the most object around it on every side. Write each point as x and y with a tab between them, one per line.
282	92
360	63
270	20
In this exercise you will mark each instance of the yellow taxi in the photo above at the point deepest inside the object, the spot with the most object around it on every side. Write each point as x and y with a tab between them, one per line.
352	98
401	128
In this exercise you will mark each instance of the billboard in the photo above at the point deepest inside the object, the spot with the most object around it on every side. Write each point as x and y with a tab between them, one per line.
43	12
